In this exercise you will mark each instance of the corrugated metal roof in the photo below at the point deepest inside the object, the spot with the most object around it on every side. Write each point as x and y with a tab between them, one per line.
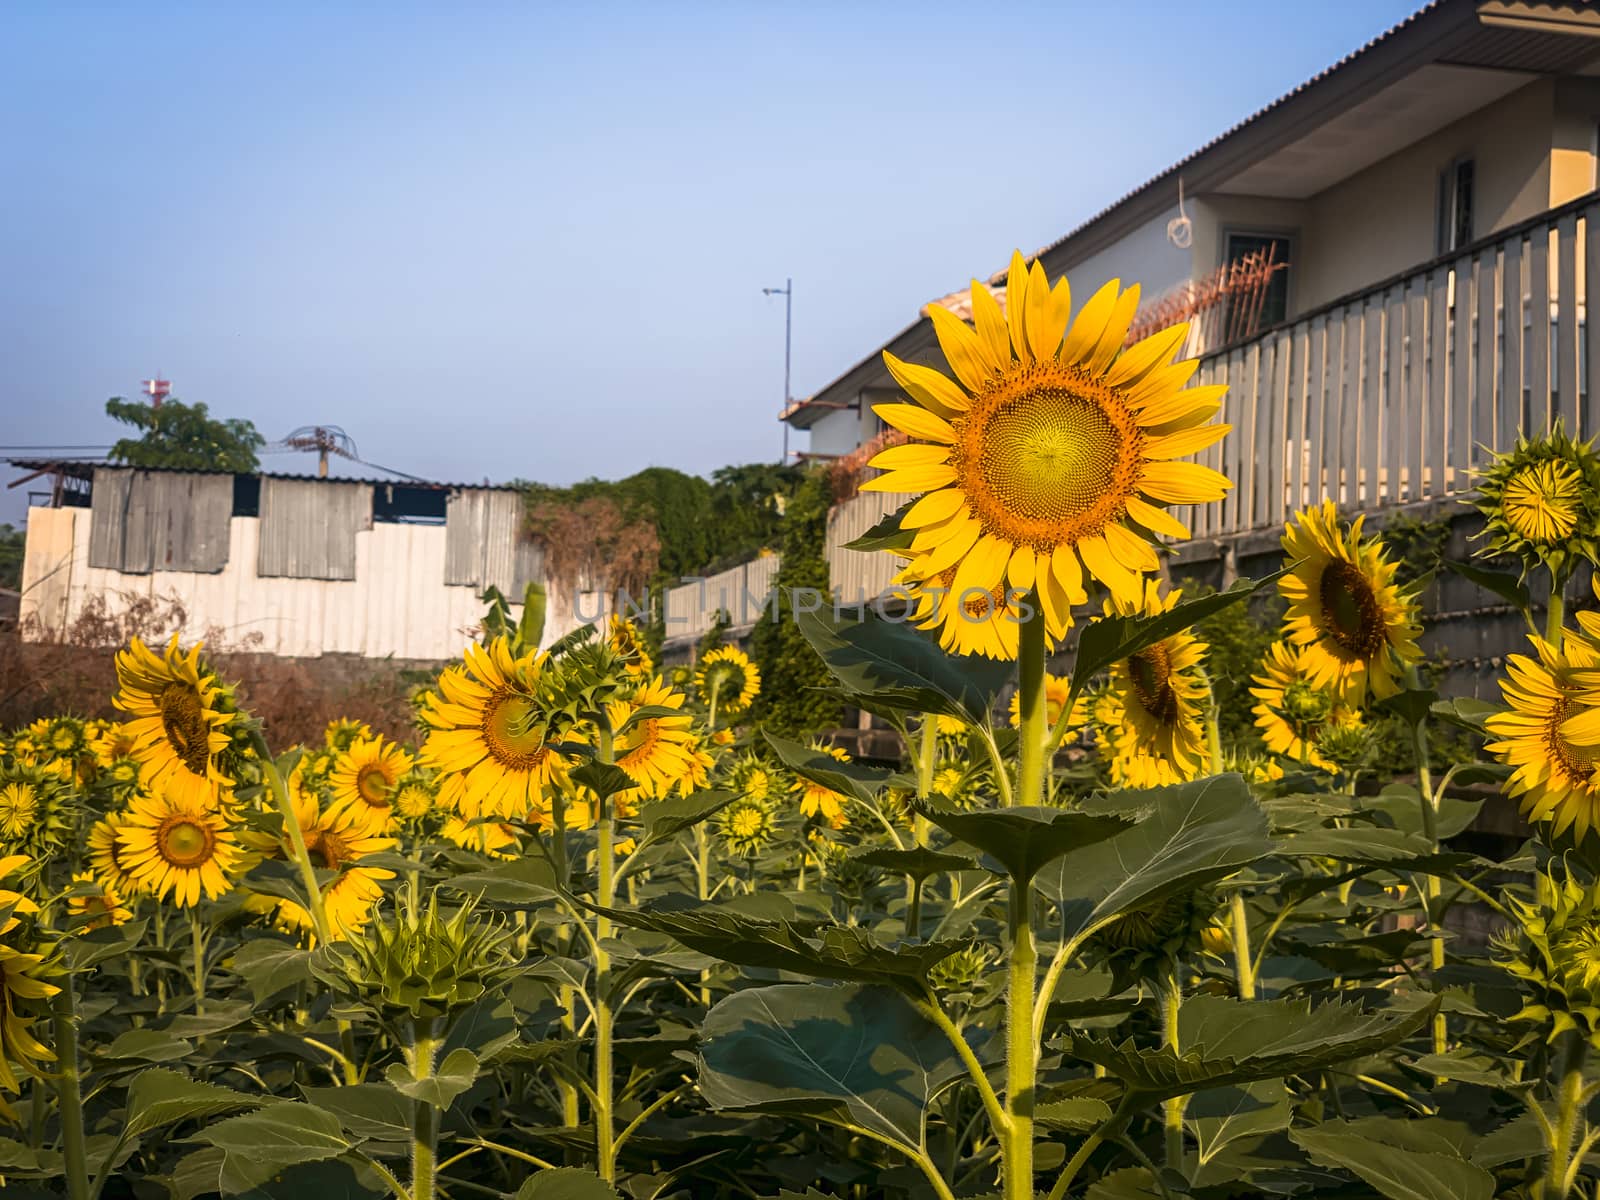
83	468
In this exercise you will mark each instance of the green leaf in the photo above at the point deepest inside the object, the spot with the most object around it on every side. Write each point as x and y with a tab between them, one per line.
1398	1173
822	949
855	779
457	1073
857	1052
148	1045
1412	705
367	1111
565	1183
1518	1140
259	1145
1504	584
886	534
1234	1042
269	967
1217	1116
1080	1114
898	667
97	945
530	629
522	883
1467	713
1363	844
1188	835
1108	640
668	818
918	862
1026	840
159	1096
604	779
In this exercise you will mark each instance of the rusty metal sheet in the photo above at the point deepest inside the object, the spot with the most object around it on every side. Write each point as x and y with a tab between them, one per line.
309	527
144	521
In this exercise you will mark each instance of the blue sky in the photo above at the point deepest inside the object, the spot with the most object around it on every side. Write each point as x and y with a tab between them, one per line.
530	240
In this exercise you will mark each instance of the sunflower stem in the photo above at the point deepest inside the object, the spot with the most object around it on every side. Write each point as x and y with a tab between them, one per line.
1429	801
1556	611
1021	1049
1239	928
1171	1005
604	1133
424	1117
1213	727
69	1091
1031	707
197	942
1569	1110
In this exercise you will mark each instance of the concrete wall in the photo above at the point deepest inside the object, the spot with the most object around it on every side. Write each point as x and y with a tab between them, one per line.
1145	256
397	605
843	429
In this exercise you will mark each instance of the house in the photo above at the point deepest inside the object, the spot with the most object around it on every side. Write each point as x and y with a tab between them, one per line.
280	564
1415	221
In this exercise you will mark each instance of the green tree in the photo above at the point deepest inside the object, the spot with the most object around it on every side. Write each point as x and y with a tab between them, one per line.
11	544
791	673
184	436
747	507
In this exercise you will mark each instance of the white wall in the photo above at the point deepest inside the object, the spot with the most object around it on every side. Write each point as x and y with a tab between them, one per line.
397	605
1145	257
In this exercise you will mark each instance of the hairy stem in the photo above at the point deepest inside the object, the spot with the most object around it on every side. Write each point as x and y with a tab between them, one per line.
69	1091
1021	1049
604	1131
1569	1111
1239	927
1031	708
1171	1003
424	1117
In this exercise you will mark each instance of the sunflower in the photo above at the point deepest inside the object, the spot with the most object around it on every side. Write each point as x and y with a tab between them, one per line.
1157	696
1541	501
23	991
1050	453
817	801
13	905
414	796
112	741
728	680
344	732
701	764
337	840
957	785
179	716
751	778
36	816
100	908
106	855
747	826
628	640
365	777
174	842
495	839
1056	690
1553	777
656	752
1358	627
1292	711
487	737
66	737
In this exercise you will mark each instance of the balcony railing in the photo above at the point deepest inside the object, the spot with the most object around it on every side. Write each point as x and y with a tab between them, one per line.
1397	393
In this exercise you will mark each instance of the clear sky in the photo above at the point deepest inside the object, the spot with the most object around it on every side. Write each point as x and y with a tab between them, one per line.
530	240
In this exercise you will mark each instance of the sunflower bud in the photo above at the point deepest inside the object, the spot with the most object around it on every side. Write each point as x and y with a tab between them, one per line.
1541	502
962	972
1554	947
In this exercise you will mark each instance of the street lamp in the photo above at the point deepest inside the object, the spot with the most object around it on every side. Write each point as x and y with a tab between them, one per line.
787	292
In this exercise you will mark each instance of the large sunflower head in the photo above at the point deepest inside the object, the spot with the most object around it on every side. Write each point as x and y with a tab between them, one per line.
489	734
1553	775
176	844
179	714
365	778
1056	690
1358	627
658	752
337	840
106	856
973	620
1541	501
727	677
1153	710
1054	451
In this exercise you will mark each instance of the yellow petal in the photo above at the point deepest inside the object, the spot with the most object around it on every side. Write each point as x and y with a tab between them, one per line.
1060	309
1158	410
1583	729
1142	357
1116	331
962	347
1122	583
933	508
932	535
1161	380
1046	319
919	422
1064	567
912	479
1131	550
912	454
963	532
933	390
990	322
1055	604
1021	569
1156	520
1017	306
982	570
1183	483
1185	442
1091	323
1199	416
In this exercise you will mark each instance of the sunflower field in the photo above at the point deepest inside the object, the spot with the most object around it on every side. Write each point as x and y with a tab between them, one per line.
593	933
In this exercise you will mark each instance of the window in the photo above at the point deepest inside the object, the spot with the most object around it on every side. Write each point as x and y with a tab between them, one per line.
1454	222
1257	307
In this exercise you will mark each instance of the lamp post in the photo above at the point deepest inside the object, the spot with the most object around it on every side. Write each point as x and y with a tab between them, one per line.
787	292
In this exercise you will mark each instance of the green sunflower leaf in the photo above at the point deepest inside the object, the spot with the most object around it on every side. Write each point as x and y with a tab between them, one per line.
159	1096
604	779
1508	585
1398	1172
853	779
565	1183
887	533
1025	840
918	862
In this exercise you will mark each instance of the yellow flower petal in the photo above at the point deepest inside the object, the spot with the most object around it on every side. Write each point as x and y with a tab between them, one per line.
1016	306
932	508
963	348
1183	483
1156	520
1115	332
1185	442
911	479
1065	568
1021	569
990	322
919	422
1142	357
1046	317
1091	323
910	455
1122	583
932	389
1130	550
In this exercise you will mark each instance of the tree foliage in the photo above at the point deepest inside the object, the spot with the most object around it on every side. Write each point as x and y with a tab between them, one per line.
185	437
12	541
791	671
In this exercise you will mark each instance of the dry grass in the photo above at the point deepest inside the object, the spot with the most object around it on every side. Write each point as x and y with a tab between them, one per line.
294	698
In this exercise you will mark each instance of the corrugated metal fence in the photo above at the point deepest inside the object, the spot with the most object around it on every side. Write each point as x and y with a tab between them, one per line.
159	521
309	527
